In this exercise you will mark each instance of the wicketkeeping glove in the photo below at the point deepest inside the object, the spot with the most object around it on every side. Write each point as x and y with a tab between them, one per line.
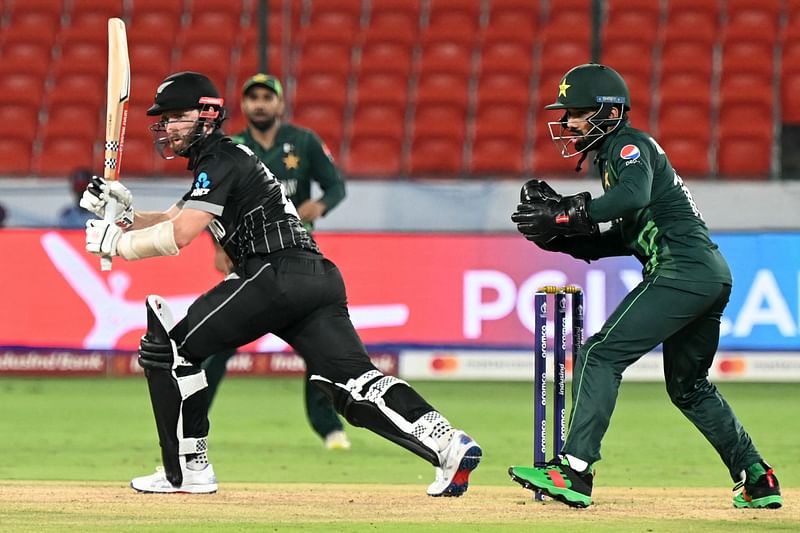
95	198
542	221
536	191
102	238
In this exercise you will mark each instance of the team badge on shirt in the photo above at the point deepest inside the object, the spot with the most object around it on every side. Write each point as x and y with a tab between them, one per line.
202	185
630	152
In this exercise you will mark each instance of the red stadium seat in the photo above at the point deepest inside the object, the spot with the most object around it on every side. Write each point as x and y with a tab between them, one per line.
454	13
435	155
744	156
558	56
385	58
379	120
59	155
62	119
19	121
761	16
509	55
51	7
633	14
15	156
403	14
496	155
21	87
382	89
510	13
138	157
94	13
547	161
689	155
343	15
374	156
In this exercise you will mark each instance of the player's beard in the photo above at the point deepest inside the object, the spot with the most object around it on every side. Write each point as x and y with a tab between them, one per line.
262	124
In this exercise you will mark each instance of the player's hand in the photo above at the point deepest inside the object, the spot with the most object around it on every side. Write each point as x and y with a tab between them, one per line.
543	221
102	238
96	196
536	191
311	210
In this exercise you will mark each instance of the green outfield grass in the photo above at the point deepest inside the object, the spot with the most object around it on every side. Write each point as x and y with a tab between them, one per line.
68	448
102	430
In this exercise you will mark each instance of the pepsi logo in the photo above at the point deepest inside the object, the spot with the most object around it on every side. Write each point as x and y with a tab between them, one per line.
630	152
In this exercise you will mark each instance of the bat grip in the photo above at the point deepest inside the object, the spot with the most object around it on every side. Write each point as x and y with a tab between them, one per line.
109	216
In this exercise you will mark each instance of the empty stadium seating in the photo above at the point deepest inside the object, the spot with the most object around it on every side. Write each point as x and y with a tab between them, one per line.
433	87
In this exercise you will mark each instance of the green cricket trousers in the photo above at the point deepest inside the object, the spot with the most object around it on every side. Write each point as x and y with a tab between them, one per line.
685	317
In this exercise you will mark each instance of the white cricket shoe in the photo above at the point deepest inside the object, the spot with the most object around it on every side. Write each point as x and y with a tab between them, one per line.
337	440
194	482
458	460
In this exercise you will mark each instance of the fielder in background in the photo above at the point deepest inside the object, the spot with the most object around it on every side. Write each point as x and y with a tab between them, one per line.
296	156
679	303
280	284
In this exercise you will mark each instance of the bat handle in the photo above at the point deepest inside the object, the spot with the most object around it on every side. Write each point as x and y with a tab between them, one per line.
109	216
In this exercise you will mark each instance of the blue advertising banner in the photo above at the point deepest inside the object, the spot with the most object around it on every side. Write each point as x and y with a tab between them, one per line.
764	311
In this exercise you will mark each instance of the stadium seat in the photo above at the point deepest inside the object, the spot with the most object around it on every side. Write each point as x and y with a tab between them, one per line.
382	89
81	57
61	154
219	33
374	156
78	120
22	8
547	161
94	13
511	13
403	14
27	62
15	156
138	157
385	58
744	156
506	53
321	88
212	59
688	154
454	14
139	122
558	55
494	155
20	121
33	35
379	120
692	27
435	155
344	15
21	88
249	64
761	16
638	18
152	28
148	60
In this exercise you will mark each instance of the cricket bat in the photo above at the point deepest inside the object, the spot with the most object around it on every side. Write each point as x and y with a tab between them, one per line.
117	97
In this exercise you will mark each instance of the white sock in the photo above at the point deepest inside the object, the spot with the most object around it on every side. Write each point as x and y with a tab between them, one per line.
198	462
579	465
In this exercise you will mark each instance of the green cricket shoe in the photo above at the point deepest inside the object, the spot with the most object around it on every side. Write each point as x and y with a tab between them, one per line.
558	480
759	489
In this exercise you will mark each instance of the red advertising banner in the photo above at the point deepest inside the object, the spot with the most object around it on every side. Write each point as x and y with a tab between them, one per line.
403	289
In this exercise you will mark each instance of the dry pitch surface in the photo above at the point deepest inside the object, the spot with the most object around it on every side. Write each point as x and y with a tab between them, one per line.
57	506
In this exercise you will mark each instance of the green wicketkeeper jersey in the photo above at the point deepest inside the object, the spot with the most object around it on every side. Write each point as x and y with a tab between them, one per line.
657	217
297	158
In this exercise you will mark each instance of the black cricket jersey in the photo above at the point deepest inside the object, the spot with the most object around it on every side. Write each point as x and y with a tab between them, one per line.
252	214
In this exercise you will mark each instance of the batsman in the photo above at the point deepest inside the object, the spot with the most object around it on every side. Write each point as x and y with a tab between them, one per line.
280	283
679	303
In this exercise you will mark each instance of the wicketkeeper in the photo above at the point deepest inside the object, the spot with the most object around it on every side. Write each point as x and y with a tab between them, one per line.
280	284
678	304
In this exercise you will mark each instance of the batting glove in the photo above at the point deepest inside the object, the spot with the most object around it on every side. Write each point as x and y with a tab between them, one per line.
102	238
95	199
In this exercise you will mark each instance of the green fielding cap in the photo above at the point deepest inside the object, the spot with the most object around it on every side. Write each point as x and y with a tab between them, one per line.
264	80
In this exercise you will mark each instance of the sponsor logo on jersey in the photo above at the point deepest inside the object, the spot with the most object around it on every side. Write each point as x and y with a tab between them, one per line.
630	152
202	185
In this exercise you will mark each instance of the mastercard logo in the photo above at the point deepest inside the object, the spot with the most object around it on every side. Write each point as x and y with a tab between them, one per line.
733	366
444	364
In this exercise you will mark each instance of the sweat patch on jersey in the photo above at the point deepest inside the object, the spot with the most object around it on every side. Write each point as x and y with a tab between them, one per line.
630	152
202	185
